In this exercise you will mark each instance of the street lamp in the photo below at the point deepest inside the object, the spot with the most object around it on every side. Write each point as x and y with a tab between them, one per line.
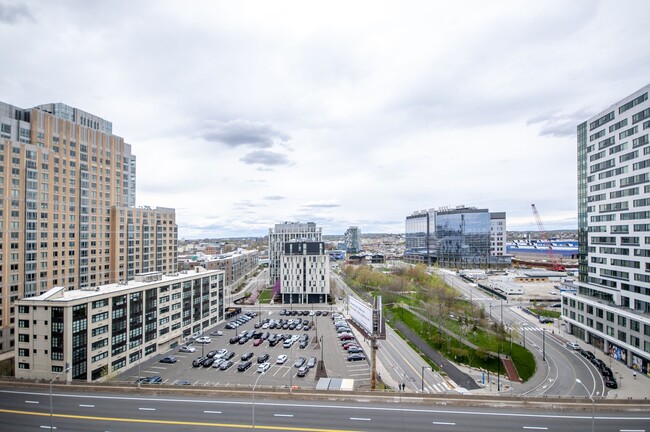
258	378
593	403
66	369
422	377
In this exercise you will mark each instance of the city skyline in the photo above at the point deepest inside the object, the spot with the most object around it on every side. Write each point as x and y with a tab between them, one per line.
244	116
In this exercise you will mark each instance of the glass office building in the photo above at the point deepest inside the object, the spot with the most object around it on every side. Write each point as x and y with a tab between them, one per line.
420	237
463	236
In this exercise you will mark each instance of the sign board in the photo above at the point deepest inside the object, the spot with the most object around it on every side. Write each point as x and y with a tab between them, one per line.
361	313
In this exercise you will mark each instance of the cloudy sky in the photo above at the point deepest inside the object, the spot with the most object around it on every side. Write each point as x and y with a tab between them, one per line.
246	114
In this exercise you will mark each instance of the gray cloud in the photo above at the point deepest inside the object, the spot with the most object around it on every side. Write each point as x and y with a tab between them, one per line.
265	157
321	205
558	125
236	133
11	14
274	197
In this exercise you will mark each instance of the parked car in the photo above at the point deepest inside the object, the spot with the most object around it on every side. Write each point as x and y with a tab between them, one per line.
258	342
243	340
287	343
247	356
263	367
203	340
299	362
346	336
211	353
226	365
229	355
572	345
610	382
187	349
234	340
156	379
311	362
208	362
216	333
588	355
263	358
282	359
183	382
546	320
241	367
353	350
303	344
222	352
198	362
356	357
217	362
606	372
168	359
302	371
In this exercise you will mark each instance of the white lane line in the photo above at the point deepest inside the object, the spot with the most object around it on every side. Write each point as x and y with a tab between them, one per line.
47	427
283	415
444	423
86	406
32	402
147	409
359	419
536	427
632	430
211	412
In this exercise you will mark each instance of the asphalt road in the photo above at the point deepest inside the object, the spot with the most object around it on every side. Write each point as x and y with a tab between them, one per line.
88	412
557	374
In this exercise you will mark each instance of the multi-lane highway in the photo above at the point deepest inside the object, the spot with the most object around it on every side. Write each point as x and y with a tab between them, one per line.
29	410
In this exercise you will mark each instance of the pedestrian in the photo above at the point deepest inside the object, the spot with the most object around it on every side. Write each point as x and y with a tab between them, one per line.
634	374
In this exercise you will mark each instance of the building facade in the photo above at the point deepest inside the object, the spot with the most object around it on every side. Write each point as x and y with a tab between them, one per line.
62	171
353	240
305	273
420	237
498	245
236	265
103	331
611	308
287	232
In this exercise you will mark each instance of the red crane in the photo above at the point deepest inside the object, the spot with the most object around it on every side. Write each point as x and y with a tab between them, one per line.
542	234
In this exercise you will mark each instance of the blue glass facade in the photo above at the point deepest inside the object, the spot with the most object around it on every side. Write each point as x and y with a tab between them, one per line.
463	237
420	241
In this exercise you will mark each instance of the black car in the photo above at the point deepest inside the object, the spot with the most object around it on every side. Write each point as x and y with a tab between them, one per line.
241	367
304	344
610	382
198	362
229	355
211	353
606	372
247	356
243	340
356	357
263	358
208	362
234	339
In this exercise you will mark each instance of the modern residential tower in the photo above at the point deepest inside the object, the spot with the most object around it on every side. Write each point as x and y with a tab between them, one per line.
286	232
611	309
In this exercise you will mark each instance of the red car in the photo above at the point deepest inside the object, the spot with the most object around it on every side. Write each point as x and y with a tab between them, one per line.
350	345
344	337
258	342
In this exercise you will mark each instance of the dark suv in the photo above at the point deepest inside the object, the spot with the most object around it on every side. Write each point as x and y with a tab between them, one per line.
263	358
244	365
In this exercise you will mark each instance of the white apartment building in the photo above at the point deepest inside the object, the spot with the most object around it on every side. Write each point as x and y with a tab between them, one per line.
286	232
611	309
305	273
498	233
103	331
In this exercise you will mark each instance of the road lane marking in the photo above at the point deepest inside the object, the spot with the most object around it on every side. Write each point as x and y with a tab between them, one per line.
360	418
86	406
48	427
170	422
147	409
632	430
283	415
211	412
32	402
536	427
444	423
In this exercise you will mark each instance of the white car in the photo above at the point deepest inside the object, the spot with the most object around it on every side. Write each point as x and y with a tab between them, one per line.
203	340
222	352
282	359
217	362
187	349
263	367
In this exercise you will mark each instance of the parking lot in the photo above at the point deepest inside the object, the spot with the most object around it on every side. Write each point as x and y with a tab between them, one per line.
313	334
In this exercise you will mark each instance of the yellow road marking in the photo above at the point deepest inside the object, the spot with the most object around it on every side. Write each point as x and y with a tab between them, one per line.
172	422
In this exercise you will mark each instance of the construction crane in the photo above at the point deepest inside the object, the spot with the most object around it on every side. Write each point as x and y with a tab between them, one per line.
542	234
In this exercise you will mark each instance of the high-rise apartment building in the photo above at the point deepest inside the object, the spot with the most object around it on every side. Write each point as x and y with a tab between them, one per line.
352	240
63	177
304	272
498	233
286	232
611	309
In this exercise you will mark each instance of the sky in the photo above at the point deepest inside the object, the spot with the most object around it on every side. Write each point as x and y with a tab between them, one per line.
247	114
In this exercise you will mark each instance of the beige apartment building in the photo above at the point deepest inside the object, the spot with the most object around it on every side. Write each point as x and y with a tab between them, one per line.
102	331
64	179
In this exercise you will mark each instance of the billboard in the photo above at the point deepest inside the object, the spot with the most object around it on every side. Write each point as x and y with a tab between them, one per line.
361	313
